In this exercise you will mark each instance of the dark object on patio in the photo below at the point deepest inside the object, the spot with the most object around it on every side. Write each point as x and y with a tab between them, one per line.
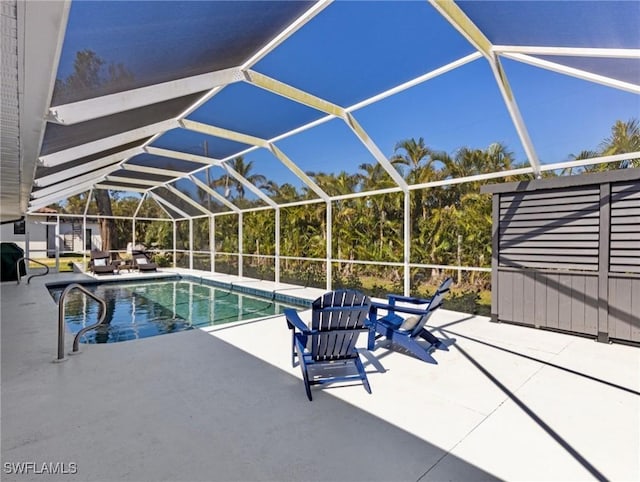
337	319
10	254
143	263
405	332
100	263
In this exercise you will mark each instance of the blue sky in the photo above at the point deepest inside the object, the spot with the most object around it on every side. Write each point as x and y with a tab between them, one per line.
354	50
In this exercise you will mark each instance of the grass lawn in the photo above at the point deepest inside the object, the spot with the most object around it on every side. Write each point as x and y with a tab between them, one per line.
66	265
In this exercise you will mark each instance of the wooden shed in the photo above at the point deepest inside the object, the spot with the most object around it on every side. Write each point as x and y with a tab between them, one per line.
566	254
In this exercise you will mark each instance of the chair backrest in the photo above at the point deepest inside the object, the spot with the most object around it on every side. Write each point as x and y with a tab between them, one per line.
140	258
100	255
434	303
338	317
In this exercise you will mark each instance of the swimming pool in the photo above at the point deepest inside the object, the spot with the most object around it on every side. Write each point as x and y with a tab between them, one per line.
144	309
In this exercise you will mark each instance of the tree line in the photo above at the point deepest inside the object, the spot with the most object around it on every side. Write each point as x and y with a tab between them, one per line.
450	225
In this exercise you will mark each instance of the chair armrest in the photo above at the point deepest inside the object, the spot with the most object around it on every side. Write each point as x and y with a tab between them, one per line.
401	309
408	299
294	321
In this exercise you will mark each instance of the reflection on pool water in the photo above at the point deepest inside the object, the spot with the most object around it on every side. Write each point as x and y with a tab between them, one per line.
144	309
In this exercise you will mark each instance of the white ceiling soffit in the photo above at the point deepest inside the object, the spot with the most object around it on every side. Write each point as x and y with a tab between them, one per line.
32	35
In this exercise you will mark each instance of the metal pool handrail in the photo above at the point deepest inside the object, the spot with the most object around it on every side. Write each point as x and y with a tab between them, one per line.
24	258
61	327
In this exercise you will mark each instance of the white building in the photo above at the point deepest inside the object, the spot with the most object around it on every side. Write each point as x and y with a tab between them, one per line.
40	234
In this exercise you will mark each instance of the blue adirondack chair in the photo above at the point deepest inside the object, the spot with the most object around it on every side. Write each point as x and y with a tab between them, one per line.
405	331
337	319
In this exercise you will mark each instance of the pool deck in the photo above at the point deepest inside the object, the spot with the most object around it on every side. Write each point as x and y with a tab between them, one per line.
504	402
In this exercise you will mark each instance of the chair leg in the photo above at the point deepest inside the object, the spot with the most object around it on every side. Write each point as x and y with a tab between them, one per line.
303	367
363	374
428	336
305	377
415	348
293	348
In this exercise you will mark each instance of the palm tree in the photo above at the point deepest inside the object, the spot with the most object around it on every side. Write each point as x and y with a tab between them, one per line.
414	153
243	169
586	154
624	138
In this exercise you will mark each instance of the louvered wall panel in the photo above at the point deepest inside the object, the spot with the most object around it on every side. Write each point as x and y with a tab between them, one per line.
625	228
550	229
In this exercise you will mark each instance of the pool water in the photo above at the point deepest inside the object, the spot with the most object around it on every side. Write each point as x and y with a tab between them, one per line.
144	309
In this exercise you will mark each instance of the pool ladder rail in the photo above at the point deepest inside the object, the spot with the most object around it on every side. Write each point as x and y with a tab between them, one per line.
61	325
24	259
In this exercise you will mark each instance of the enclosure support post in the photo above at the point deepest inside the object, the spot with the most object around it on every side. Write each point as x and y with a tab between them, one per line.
133	233
174	243
240	244
212	242
407	243
277	236
329	281
57	244
84	241
190	243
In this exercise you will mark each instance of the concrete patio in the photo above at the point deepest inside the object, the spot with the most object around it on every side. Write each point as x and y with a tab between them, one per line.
504	402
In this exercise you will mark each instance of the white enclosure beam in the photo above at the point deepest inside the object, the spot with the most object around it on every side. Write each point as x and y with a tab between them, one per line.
95	176
293	167
417	81
514	112
111	160
142	198
272	44
214	193
375	151
459	20
233	173
106	143
407	243
592	161
162	201
292	28
573	72
568	51
292	93
154	170
188	200
146	182
131	99
185	156
60	195
119	187
277	246
222	133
